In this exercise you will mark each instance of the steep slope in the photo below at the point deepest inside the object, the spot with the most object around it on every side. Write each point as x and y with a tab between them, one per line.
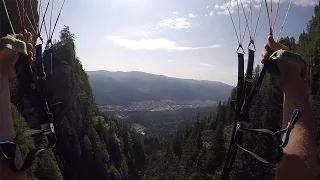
93	146
123	88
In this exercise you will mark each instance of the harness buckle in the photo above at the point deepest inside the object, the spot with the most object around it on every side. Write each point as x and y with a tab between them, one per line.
249	79
47	128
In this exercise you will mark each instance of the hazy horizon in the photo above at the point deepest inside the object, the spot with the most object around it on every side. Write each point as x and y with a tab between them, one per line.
158	75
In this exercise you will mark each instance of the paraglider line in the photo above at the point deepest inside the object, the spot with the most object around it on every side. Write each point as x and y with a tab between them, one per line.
19	12
270	27
44	15
6	9
255	31
285	20
55	25
234	27
34	19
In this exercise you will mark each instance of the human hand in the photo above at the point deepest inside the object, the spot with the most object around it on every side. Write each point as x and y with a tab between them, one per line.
290	71
8	57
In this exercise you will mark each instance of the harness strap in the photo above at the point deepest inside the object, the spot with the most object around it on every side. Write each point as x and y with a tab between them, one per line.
47	57
28	160
259	158
295	117
244	100
248	82
275	161
32	154
236	136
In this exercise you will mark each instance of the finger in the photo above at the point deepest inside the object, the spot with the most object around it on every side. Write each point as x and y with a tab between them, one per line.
266	46
27	37
30	60
29	47
18	36
274	45
30	54
264	56
265	53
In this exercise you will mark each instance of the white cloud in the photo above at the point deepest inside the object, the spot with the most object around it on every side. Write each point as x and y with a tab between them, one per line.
207	7
223	7
154	28
206	65
211	13
233	4
222	13
305	3
153	44
145	33
174	23
257	6
191	15
174	12
225	12
170	60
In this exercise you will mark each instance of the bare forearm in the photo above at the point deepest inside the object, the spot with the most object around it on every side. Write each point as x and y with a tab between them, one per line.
7	132
6	124
299	160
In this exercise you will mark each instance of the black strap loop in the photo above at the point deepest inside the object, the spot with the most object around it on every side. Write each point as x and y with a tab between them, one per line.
267	131
29	160
34	152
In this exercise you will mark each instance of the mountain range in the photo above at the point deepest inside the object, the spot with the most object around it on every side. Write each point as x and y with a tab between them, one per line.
124	88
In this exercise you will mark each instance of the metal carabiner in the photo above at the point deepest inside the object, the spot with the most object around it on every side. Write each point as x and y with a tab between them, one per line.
240	47
251	43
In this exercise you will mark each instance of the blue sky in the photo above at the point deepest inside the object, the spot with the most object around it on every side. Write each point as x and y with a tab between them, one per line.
177	38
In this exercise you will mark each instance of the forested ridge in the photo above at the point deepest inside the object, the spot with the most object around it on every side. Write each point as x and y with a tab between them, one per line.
99	147
124	88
